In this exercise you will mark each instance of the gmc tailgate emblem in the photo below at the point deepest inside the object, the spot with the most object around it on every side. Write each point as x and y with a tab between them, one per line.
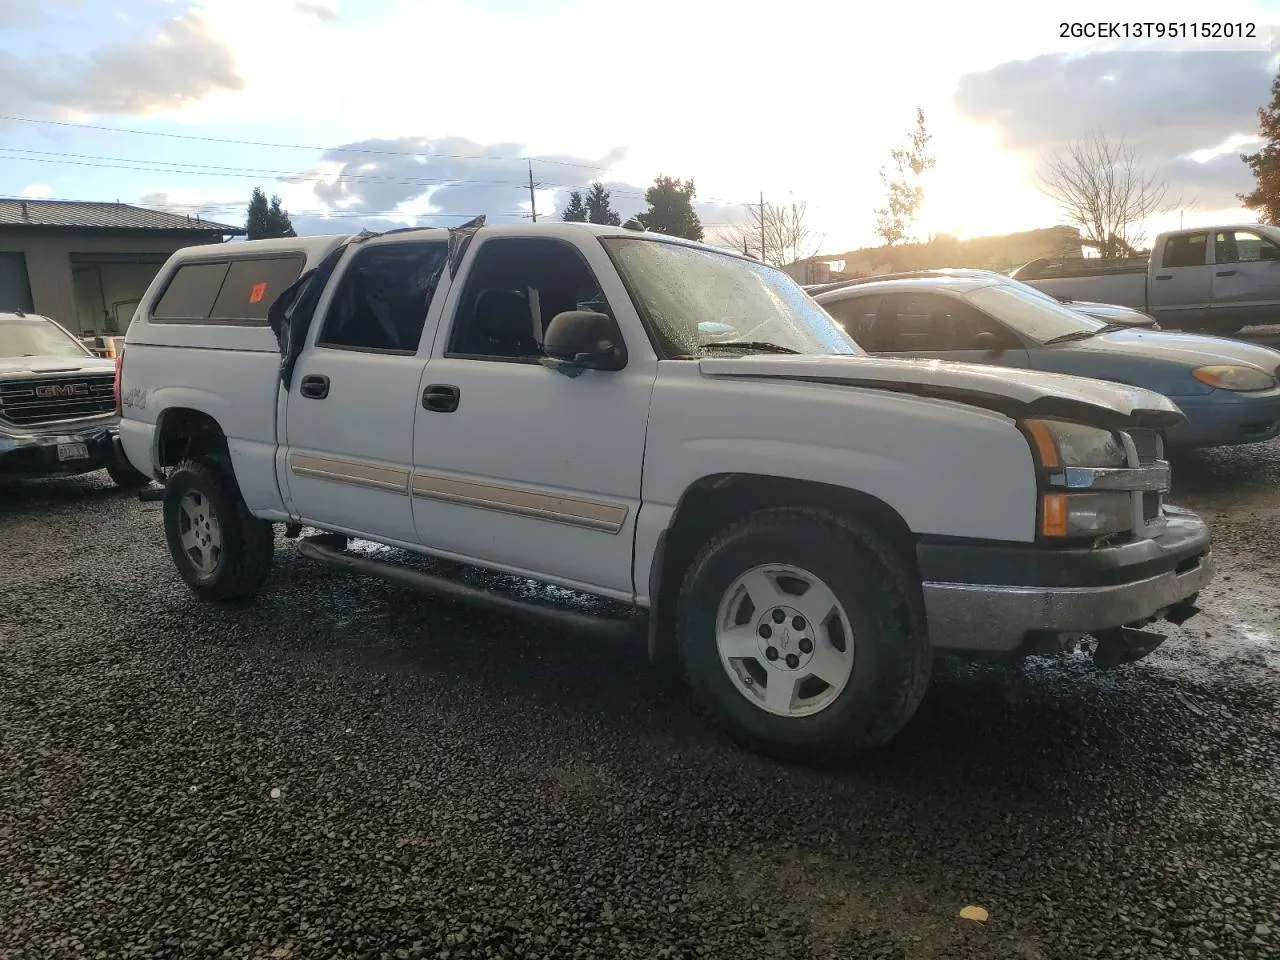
53	391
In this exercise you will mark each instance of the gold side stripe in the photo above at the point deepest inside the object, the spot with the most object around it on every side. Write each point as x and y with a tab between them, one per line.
350	471
557	508
593	514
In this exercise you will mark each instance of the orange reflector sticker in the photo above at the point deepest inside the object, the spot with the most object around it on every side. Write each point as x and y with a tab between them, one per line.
1045	445
1053	515
257	293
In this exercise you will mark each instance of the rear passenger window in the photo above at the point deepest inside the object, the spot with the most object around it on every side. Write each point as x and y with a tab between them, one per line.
236	292
855	314
1187	250
381	301
252	285
190	293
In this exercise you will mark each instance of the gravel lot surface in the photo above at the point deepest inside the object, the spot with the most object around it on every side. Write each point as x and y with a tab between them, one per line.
343	768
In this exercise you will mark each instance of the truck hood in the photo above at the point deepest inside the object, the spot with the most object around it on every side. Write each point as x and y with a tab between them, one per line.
1016	393
53	366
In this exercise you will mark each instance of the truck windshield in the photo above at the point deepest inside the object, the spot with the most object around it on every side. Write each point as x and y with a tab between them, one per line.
1032	314
700	302
37	337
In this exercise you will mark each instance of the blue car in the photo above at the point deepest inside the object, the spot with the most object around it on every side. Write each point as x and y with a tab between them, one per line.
1228	389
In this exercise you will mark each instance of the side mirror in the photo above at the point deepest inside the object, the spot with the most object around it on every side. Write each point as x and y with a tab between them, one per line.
1268	253
583	338
985	341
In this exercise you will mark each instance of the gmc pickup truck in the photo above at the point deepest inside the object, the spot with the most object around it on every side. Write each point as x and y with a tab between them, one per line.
672	428
57	412
1211	278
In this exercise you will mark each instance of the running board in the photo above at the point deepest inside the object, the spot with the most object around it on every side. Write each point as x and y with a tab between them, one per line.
603	627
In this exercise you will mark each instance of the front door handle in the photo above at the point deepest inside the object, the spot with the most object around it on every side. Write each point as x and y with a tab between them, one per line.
1226	273
1164	276
441	398
315	386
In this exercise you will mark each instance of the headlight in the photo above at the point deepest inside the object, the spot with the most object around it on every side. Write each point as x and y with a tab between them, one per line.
1060	444
1086	514
1229	376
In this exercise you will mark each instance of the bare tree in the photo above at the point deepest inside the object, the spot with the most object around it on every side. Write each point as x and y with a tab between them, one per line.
775	233
1102	189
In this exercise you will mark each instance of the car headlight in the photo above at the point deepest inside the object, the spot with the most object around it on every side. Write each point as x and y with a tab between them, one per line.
1058	446
1061	444
1235	377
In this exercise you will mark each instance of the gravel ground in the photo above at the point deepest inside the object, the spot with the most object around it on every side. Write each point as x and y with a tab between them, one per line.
343	768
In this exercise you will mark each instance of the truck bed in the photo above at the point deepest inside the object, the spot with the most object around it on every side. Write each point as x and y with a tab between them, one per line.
1122	282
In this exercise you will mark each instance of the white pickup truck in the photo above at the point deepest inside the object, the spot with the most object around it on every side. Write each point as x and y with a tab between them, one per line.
1213	278
672	427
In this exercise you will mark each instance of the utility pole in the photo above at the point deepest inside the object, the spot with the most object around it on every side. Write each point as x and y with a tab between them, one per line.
533	200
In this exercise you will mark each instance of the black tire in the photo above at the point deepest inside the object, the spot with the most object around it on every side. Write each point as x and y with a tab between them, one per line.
247	542
892	660
125	477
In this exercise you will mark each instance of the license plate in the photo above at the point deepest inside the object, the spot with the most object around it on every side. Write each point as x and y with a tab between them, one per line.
73	451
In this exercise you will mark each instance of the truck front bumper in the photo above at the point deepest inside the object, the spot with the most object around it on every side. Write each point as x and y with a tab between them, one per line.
991	598
35	452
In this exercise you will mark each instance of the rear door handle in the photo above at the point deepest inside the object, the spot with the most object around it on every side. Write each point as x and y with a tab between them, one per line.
1226	273
315	386
1164	276
441	398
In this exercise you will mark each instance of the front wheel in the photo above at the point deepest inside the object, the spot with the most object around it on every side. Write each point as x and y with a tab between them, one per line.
221	550
801	633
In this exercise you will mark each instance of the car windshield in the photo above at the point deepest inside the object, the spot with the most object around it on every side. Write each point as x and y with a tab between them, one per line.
37	337
1032	315
702	302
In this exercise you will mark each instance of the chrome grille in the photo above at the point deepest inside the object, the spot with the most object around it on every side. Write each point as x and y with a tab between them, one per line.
1145	448
1147	444
53	399
1151	505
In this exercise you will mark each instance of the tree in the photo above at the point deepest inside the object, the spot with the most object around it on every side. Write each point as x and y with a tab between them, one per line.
598	209
278	217
1265	163
576	211
266	219
774	233
904	196
1103	191
671	209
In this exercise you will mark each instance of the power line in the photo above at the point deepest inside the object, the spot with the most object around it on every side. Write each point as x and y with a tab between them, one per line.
292	146
291	176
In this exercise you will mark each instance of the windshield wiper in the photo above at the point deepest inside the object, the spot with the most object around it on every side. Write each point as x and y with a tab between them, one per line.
1073	335
1086	334
763	346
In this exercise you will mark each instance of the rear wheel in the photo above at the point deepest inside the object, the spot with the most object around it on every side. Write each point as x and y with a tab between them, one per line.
221	550
799	632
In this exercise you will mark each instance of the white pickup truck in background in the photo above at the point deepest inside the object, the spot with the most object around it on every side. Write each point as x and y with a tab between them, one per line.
675	428
1218	279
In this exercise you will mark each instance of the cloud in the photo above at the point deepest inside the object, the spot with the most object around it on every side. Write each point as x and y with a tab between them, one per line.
320	11
35	191
1212	185
1164	104
453	174
179	63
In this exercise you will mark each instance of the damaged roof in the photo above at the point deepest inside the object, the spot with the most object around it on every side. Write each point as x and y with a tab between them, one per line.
91	215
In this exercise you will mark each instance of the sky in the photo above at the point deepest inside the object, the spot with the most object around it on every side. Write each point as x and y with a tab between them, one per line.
383	113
